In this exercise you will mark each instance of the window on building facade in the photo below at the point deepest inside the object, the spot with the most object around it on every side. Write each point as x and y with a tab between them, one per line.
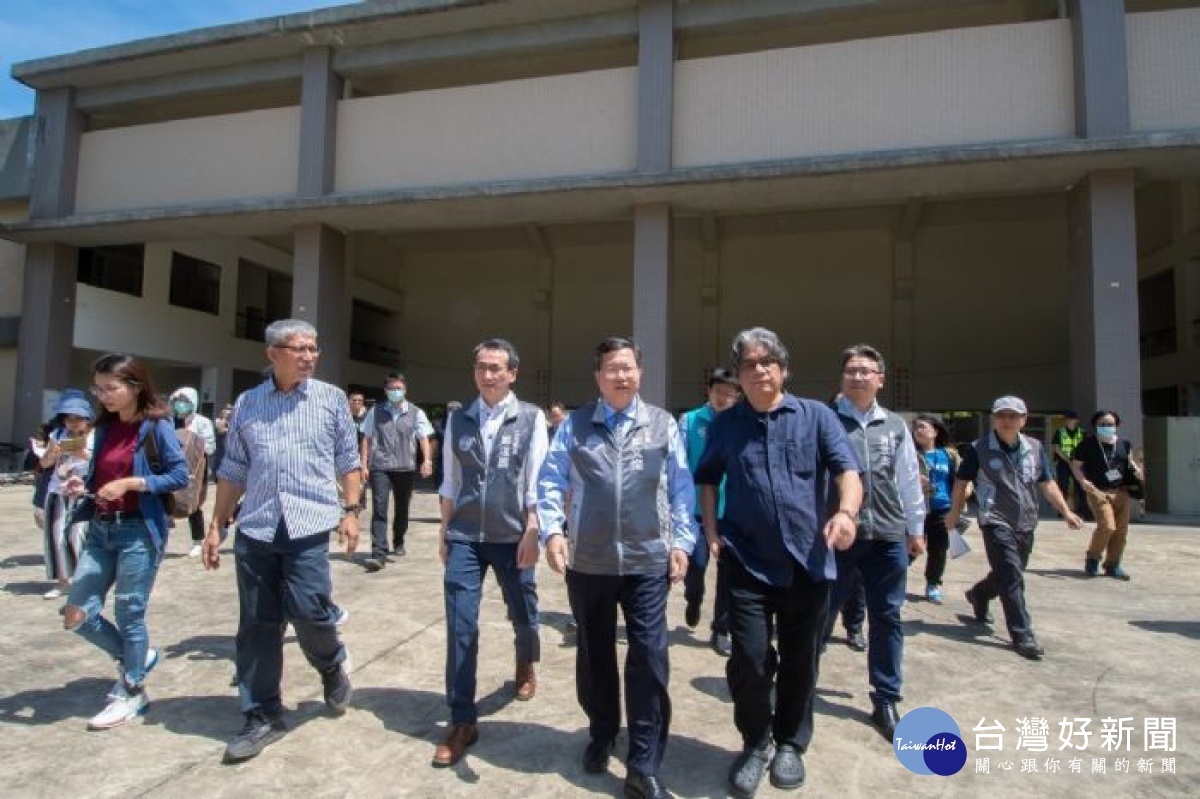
195	284
117	267
372	338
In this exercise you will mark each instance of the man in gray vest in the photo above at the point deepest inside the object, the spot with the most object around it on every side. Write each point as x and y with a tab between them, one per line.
891	525
1007	468
617	468
391	433
490	461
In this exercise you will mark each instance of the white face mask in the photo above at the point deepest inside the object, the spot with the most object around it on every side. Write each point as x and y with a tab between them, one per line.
395	395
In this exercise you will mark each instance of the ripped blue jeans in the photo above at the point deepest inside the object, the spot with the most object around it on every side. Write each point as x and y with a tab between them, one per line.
120	556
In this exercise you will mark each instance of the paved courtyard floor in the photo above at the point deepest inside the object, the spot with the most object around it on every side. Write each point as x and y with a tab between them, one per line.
1114	651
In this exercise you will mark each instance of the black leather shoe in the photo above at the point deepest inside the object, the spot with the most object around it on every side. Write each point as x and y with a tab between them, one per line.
787	768
979	606
374	564
1029	648
748	769
856	641
691	614
884	718
722	644
595	757
642	786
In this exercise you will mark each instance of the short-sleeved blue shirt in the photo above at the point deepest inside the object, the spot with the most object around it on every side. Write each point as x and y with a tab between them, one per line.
777	468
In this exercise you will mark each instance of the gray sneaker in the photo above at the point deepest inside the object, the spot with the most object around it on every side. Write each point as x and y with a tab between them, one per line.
259	732
748	770
337	689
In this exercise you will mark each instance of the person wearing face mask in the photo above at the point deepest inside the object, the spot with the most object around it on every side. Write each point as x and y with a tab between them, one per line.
1103	468
392	431
184	403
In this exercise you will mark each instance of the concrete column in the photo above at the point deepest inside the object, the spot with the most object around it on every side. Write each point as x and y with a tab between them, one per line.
58	124
538	376
1102	274
656	84
1101	68
46	333
902	356
319	291
713	351
320	89
216	387
652	297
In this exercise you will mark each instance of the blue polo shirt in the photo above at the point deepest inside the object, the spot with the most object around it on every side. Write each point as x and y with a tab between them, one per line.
777	468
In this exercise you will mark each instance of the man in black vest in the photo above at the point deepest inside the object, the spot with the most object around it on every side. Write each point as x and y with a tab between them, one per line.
493	451
391	433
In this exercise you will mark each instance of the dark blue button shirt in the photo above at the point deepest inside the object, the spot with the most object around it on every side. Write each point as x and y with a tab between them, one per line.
777	467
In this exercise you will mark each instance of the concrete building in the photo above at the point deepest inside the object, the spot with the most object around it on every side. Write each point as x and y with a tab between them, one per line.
987	190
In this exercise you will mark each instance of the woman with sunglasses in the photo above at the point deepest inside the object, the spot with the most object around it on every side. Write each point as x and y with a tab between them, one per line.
137	461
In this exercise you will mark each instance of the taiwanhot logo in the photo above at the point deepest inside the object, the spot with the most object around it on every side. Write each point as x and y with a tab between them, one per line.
927	741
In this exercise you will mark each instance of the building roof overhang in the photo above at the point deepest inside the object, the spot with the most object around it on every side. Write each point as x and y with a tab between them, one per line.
931	174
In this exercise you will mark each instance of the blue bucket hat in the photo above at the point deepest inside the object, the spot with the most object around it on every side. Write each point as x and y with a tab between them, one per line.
73	402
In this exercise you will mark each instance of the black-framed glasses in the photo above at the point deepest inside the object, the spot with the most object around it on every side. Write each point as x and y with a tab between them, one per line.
860	372
766	362
300	349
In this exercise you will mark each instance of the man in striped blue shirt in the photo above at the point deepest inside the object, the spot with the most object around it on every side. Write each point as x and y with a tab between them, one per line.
289	439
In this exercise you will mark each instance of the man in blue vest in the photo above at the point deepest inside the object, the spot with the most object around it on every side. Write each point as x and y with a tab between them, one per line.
618	469
391	433
493	451
723	392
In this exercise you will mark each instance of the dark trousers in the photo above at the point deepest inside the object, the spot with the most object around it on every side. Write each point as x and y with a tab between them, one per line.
642	599
280	582
467	564
1008	554
798	613
693	586
854	604
937	544
383	484
1070	488
884	569
196	525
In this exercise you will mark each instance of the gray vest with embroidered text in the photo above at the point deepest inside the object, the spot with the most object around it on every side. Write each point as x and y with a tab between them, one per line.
882	515
620	521
393	448
1006	486
490	505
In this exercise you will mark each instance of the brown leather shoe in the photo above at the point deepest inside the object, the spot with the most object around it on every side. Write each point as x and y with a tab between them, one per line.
455	746
526	682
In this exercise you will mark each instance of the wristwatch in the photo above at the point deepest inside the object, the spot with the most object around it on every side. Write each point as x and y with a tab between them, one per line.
349	510
852	516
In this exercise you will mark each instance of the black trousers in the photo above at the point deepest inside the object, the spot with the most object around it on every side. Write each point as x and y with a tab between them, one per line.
937	544
383	484
693	586
798	613
1008	554
853	607
642	599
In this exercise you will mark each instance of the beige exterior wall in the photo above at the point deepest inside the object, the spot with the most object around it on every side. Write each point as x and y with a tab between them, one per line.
963	86
1164	69
12	279
540	127
821	280
225	157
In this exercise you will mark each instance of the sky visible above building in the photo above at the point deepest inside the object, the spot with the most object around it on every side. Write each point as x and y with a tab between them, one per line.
31	29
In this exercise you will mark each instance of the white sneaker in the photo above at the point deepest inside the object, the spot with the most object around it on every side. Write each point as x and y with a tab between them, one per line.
53	593
121	708
118	688
343	617
197	550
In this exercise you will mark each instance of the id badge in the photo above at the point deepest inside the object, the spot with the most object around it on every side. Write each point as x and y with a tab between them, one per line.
1113	476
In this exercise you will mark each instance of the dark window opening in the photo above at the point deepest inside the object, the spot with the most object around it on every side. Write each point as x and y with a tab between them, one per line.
118	267
195	284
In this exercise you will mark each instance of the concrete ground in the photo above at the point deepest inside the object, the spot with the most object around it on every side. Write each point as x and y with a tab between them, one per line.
1113	650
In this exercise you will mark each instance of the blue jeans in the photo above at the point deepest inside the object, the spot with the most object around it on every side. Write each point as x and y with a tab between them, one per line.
467	565
121	556
279	582
884	568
